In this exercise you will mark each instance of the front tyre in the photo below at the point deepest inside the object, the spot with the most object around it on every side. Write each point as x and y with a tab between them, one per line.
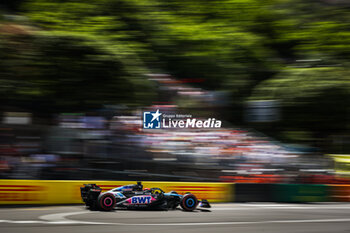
189	202
106	201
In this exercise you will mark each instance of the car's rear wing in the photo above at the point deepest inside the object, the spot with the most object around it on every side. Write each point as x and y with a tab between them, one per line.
90	192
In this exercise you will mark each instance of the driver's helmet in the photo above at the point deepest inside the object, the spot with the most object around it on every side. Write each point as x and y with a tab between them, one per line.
147	189
139	186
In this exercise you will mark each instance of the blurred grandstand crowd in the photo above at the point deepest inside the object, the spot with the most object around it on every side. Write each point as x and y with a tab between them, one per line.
110	144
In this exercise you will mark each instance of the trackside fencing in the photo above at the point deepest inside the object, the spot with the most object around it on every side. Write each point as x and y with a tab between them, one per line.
340	193
68	192
291	193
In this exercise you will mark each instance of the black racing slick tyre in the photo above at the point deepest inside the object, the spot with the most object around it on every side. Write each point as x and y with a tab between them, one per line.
106	201
189	202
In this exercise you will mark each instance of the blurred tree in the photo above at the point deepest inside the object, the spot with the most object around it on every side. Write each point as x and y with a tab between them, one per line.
71	65
12	5
240	46
64	73
315	100
192	39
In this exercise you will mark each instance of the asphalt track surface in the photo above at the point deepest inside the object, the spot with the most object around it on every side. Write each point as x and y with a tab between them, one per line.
232	217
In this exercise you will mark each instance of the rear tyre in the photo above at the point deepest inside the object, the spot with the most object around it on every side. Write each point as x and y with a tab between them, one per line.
106	201
189	202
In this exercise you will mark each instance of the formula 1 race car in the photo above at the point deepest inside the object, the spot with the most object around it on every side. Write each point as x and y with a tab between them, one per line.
135	197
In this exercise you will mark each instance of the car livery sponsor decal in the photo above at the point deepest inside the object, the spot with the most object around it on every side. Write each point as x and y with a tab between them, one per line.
21	193
140	200
118	195
106	188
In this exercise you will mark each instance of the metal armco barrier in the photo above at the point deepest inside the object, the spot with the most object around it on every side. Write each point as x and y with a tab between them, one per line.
291	193
300	193
340	193
68	192
252	192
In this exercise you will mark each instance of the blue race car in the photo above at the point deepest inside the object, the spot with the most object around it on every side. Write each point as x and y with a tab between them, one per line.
135	197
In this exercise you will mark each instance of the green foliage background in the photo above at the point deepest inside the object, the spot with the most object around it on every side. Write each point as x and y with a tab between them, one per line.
86	53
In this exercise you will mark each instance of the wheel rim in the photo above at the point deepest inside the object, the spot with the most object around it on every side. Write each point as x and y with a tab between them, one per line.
108	201
190	202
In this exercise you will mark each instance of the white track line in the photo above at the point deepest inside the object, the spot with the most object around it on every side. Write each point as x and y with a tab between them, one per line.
236	223
74	222
280	207
60	218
